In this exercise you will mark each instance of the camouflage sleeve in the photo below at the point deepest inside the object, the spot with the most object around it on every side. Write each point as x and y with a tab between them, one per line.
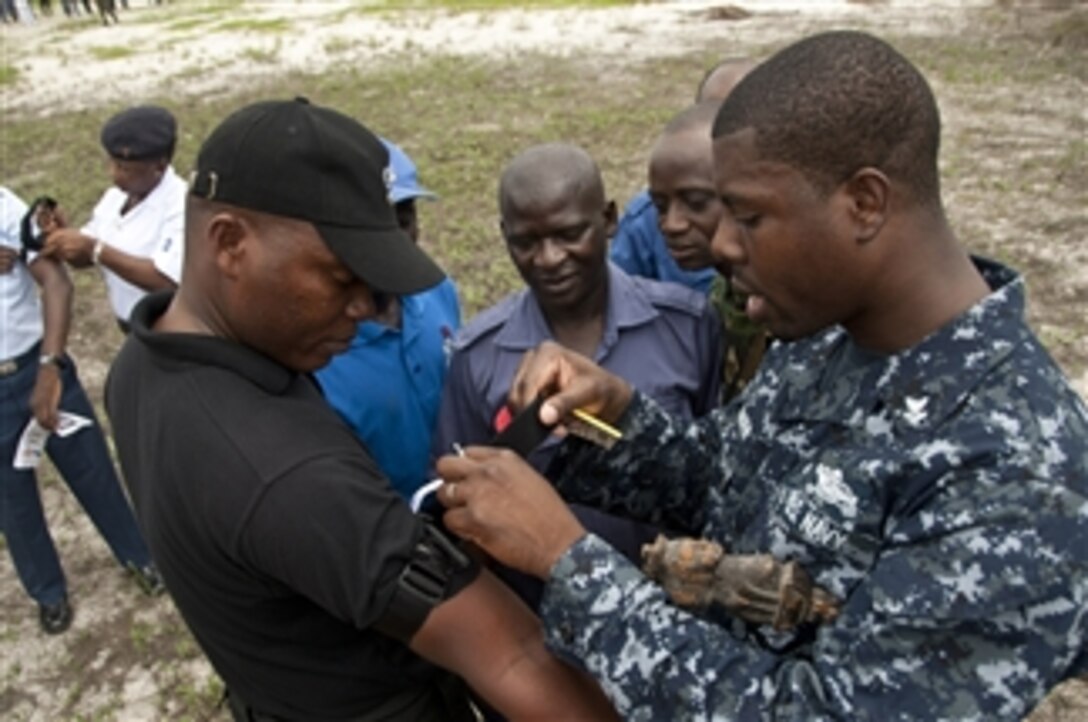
667	488
958	626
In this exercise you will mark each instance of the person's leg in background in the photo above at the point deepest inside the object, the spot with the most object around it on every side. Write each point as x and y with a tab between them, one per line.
21	518
84	461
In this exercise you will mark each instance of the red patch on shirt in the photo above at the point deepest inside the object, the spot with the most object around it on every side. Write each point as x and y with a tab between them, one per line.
502	419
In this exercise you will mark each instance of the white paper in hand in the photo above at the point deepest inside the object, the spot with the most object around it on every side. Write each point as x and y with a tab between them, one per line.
32	441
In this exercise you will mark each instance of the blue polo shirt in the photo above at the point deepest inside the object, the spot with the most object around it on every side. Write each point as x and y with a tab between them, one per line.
639	248
662	338
388	385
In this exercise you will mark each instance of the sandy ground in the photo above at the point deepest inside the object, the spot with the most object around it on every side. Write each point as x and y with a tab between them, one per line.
173	51
186	59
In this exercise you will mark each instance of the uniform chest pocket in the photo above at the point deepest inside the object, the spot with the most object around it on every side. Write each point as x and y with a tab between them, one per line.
831	520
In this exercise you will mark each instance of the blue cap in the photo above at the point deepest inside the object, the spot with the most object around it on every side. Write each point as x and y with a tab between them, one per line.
404	183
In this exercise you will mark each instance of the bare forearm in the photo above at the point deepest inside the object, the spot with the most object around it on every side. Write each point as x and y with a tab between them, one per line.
56	304
56	315
542	687
486	635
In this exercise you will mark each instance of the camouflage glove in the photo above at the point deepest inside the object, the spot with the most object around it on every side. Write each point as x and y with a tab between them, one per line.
755	587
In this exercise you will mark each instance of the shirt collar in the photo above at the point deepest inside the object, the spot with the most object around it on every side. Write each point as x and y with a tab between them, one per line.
206	350
920	386
627	307
158	196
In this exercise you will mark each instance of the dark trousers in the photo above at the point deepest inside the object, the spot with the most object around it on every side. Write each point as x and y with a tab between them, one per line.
83	461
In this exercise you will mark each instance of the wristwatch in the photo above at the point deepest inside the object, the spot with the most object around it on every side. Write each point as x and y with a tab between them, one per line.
57	359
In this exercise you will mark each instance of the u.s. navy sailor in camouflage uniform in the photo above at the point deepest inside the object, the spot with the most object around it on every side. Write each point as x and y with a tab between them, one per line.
915	449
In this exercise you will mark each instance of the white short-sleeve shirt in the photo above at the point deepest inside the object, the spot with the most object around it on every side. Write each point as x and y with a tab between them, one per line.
20	308
154	228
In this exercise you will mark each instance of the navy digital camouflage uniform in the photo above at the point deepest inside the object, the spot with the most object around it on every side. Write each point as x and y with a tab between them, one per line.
939	492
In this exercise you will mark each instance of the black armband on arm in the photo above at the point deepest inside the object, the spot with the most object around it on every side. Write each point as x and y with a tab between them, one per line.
30	240
437	570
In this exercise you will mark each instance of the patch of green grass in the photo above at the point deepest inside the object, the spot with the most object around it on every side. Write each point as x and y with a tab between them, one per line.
1072	165
106	712
111	52
186	23
255	25
183	16
390	9
141	634
262	55
986	60
9	75
191	71
76	25
461	5
338	44
199	694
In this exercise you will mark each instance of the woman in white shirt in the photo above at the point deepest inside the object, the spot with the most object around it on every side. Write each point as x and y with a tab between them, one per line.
135	234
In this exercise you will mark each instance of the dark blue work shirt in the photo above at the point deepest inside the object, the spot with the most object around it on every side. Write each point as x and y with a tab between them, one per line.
662	338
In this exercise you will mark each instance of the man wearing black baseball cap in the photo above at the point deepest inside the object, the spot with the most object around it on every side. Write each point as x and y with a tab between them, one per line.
310	585
135	231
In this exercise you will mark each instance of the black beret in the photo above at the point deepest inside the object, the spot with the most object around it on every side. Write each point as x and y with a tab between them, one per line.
144	132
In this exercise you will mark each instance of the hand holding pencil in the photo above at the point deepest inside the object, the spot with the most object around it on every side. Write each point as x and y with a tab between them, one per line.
495	499
574	389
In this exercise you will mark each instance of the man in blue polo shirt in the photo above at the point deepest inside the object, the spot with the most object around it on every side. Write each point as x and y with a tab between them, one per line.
388	384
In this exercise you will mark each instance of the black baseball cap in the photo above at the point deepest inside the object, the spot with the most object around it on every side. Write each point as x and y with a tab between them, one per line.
143	132
295	159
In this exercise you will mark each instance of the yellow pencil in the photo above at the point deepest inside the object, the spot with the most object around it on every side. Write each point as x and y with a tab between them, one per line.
597	423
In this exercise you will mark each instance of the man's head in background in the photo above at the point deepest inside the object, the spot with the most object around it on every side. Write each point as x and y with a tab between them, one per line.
681	170
139	142
405	189
720	80
682	188
556	220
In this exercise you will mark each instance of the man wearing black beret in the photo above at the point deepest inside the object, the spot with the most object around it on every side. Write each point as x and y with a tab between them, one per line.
136	231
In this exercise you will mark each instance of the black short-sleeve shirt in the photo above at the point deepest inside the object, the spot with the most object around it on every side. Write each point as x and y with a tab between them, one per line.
279	538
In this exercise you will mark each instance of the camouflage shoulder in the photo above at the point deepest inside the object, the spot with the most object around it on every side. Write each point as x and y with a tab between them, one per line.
487	322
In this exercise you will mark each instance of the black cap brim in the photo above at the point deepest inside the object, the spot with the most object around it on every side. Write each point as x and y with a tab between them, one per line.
386	260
